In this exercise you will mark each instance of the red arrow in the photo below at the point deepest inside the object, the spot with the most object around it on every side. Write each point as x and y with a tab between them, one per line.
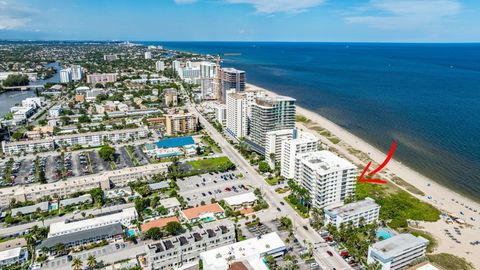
361	179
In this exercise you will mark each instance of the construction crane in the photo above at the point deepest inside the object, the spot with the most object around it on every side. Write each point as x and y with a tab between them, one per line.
218	75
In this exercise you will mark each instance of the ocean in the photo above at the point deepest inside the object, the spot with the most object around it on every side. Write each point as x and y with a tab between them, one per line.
424	96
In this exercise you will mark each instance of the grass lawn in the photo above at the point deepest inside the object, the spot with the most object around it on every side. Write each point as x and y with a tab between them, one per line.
272	181
302	214
450	262
397	206
210	164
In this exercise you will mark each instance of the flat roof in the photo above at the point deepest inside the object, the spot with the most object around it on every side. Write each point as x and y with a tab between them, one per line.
397	244
159	185
63	227
248	197
14	243
76	200
160	223
196	212
325	161
10	253
353	208
251	250
43	206
170	202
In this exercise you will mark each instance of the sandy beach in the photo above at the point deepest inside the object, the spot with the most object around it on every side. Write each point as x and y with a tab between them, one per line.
446	200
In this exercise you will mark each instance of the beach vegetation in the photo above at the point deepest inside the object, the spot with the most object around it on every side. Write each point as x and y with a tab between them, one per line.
411	188
432	242
397	207
450	262
302	119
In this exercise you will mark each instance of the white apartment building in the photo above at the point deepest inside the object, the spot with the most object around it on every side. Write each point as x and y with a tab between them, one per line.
250	252
208	69
18	255
77	72
148	55
398	251
65	75
221	113
365	209
328	178
102	78
124	217
190	74
34	102
105	181
12	148
160	65
55	111
273	145
302	142
237	119
177	66
183	251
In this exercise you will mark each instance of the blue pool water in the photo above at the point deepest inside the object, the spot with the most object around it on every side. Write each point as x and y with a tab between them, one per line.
208	219
175	142
53	206
131	232
385	233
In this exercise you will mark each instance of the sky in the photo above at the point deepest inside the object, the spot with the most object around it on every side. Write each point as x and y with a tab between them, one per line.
242	20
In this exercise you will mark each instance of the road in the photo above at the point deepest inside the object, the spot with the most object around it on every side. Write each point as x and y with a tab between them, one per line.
18	229
309	234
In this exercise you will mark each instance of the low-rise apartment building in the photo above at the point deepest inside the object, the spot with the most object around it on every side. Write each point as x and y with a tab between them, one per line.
180	123
184	250
366	210
398	251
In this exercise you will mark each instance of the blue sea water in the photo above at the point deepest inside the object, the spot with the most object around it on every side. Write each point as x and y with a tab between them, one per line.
424	96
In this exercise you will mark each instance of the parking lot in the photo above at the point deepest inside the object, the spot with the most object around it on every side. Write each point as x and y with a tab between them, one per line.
204	187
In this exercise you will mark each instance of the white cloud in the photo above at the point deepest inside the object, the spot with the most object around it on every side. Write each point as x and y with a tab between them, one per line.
389	14
280	6
13	16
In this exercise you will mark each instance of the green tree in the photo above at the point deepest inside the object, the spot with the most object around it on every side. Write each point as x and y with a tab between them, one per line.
84	119
91	262
154	233
107	152
77	264
263	167
16	80
173	227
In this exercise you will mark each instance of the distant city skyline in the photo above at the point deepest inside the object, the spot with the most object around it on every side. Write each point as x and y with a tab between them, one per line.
242	20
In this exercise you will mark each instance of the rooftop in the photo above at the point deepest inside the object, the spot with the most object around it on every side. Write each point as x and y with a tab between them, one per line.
170	202
196	212
250	250
397	244
160	223
325	161
353	208
248	197
10	253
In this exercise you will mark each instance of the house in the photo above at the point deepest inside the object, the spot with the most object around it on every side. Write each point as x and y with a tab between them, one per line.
158	223
206	213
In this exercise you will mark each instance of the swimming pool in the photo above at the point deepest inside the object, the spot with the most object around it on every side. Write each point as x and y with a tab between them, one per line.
53	206
385	233
131	232
208	219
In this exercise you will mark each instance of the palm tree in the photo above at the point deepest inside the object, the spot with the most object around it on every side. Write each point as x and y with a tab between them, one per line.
91	262
77	264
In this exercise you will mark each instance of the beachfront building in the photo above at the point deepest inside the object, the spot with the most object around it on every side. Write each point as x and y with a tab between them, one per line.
270	114
123	217
247	254
102	78
328	178
17	255
206	212
232	79
208	69
302	142
237	118
366	211
180	123
398	251
273	145
183	251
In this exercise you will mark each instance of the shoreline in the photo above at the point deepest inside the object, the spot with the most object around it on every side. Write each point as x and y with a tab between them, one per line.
441	196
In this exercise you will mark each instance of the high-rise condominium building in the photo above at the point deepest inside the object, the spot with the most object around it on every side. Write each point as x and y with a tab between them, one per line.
232	79
270	114
160	65
237	119
65	75
302	142
328	178
77	72
273	145
208	70
148	55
